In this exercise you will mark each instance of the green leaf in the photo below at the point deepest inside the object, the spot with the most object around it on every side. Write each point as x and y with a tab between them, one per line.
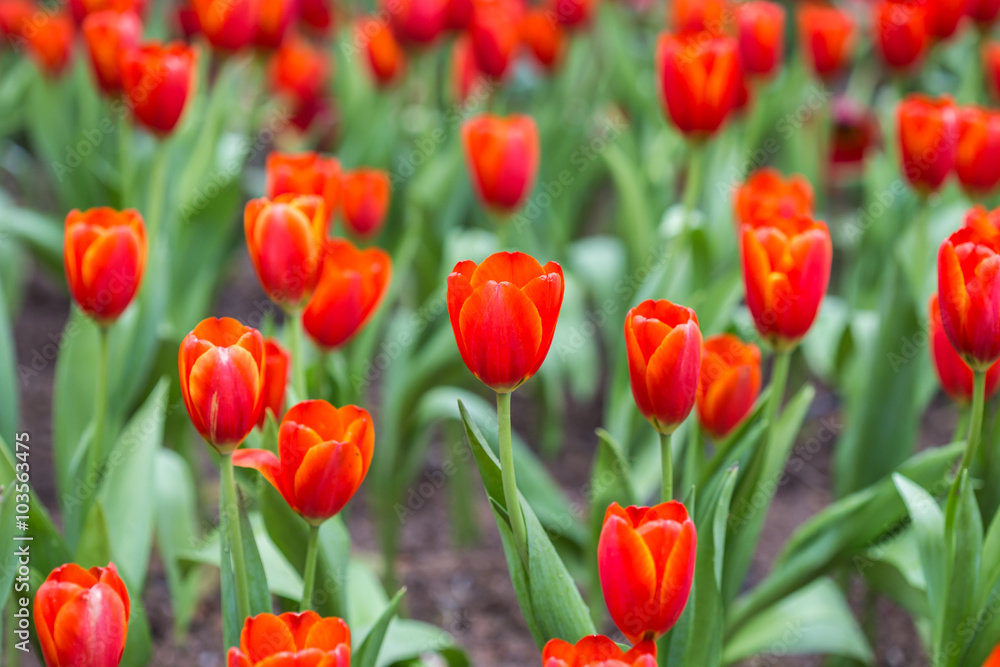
964	531
367	652
40	233
365	596
257	584
8	534
176	529
9	409
139	641
407	641
94	547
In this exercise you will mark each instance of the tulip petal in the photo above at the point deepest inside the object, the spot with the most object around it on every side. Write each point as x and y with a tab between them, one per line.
91	624
459	291
225	390
512	267
546	292
675	584
236	659
328	478
672	375
265	635
300	624
328	634
628	576
266	463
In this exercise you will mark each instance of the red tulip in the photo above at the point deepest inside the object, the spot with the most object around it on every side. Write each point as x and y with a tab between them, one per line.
597	651
276	363
305	173
984	12
729	383
646	558
952	371
699	81
459	14
663	342
767	195
466	77
108	35
544	37
274	19
944	16
828	37
386	59
81	9
299	69
158	82
15	15
104	252
991	64
228	24
494	36
855	131
317	14
186	19
691	16
50	41
365	201
502	158
324	453
504	314
786	269
928	138
221	365
81	617
901	32
572	13
292	640
351	286
418	22
976	161
761	36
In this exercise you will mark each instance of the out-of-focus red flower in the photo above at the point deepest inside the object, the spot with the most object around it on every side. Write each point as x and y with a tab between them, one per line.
767	195
466	77
299	69
108	35
386	59
901	32
984	12
572	13
158	81
977	163
646	558
81	616
221	367
365	200
699	80
494	33
14	16
502	158
761	36
928	140
729	383
50	41
228	24
597	651
305	173
991	65
691	16
944	16
274	18
187	21
503	313
459	14
317	14
352	284
418	22
544	37
81	9
325	454
786	270
954	374
292	640
276	363
316	113
828	36
855	131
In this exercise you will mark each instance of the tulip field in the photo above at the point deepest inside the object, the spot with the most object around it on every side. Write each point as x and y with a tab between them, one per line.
453	333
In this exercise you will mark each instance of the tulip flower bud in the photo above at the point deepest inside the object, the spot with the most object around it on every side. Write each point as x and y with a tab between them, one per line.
14	16
928	139
976	160
855	132
828	36
317	15
597	651
300	70
901	33
544	37
274	18
81	9
991	65
761	36
228	24
729	383
50	43
699	78
417	22
502	156
276	363
494	35
944	16
104	253
692	16
459	14
158	82
984	13
572	13
292	639
465	75
81	617
108	35
365	201
386	58
646	558
767	195
954	374
304	174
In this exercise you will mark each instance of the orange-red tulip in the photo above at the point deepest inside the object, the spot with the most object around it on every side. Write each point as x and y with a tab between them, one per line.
691	16
158	81
221	366
50	41
646	558
976	161
274	18
663	343
597	651
292	640
104	252
761	36
501	155
767	195
276	364
324	453
299	69
495	37
418	22
572	13
284	237
944	16
305	173
386	59
901	32
228	24
108	35
318	15
729	383
544	37
699	78
504	314
984	12
828	36
365	200
466	76
81	617
928	140
991	64
15	15
459	14
81	9
786	270
954	374
351	286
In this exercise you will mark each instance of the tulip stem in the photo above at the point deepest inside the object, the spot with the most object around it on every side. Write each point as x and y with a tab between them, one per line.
309	574
298	365
125	158
667	463
976	421
100	400
229	514
779	378
157	189
692	186
507	474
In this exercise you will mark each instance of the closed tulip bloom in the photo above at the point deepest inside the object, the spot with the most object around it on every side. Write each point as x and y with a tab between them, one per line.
292	640
108	34
465	75
228	24
504	313
646	558
901	33
459	14
855	132
729	383
691	16
104	253
954	374
221	366
501	155
984	12
365	201
276	364
81	9
761	36
786	270
572	13
976	161
767	195
186	20
81	617
50	42
494	34
991	63
597	651
969	294
663	342
928	140
544	37
828	36
317	15
418	22
274	18
158	81
299	69
944	16
306	173
15	15
699	80
351	286
386	59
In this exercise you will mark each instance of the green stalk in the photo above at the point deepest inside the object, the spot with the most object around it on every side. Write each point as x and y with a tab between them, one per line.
976	422
229	512
100	400
298	365
507	473
692	186
779	378
312	551
667	464
157	191
125	158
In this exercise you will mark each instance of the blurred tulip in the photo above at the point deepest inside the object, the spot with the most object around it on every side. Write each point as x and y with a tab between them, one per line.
316	114
597	651
977	163
104	253
352	284
81	9
292	640
228	24
544	37
984	12
761	36
14	16
365	200
466	77
325	454
969	293
572	13
158	81
501	155
699	77
284	237
495	36
646	558
663	343
108	35
855	132
305	173
692	16
786	270
386	59
299	69
503	313
828	37
186	19
944	16
418	22
952	371
318	15
50	41
221	366
459	14
729	383
928	139
274	18
901	33
81	617
767	195
986	223
276	363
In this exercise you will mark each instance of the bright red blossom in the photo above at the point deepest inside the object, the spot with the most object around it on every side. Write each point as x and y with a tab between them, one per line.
828	36
299	69
50	42
292	640
597	651
228	24
544	37
767	194
901	32
365	201
729	383
494	35
944	16
983	12
761	36
691	16
928	139
502	157
976	160
108	35
386	59
699	78
81	9
954	374
418	22
158	81
274	19
305	173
